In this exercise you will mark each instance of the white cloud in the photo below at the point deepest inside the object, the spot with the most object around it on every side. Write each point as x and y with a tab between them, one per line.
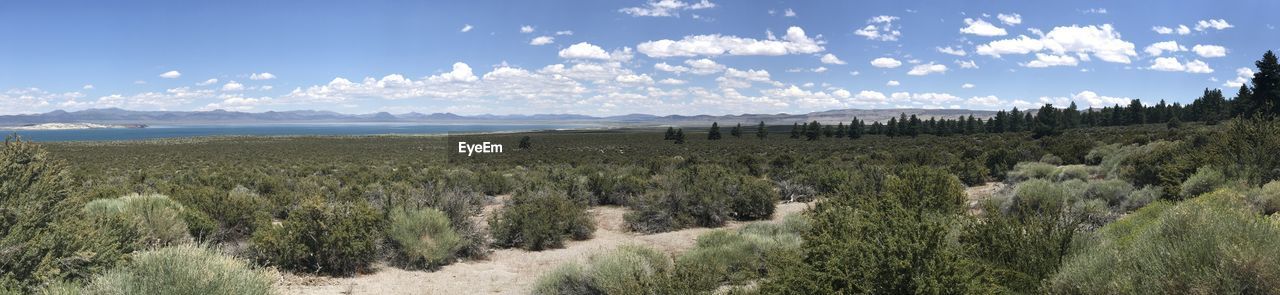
1183	30
952	51
967	64
1159	48
880	28
526	29
831	59
967	85
232	86
171	75
207	82
564	33
892	83
989	100
1209	50
1011	19
461	73
262	76
1091	99
794	42
982	28
925	69
703	66
1102	42
665	8
237	103
1243	75
671	81
1171	64
1162	30
663	66
819	69
867	96
886	62
634	79
789	13
1216	24
1094	11
87	87
542	40
1051	60
466	28
584	50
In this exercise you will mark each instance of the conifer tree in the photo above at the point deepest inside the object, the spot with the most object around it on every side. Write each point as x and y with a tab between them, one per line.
714	133
1266	85
736	131
795	130
813	131
841	131
671	134
679	136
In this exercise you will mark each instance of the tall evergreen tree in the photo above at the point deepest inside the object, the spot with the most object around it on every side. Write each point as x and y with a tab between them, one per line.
671	134
679	138
795	130
714	133
891	129
1242	103
841	131
736	131
914	127
1134	113
813	131
1266	85
761	131
856	128
1071	116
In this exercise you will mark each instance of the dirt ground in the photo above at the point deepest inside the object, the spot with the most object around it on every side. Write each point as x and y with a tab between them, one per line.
507	271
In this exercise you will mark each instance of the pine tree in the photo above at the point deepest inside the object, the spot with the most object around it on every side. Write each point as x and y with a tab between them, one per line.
813	131
679	136
795	130
1071	116
671	134
1266	85
1174	123
525	143
1242	103
841	131
714	133
761	131
914	127
736	131
891	129
1135	113
855	128
828	131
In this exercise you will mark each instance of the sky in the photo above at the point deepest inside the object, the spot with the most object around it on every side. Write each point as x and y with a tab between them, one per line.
616	57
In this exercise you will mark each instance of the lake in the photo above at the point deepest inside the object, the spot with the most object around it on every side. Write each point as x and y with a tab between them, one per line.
278	129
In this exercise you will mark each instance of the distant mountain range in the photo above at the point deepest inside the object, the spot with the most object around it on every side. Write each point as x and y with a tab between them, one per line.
120	116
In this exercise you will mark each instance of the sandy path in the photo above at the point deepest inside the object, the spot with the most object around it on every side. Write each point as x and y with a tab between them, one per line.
975	195
508	271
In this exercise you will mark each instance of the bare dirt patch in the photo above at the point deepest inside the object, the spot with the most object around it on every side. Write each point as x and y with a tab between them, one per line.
509	271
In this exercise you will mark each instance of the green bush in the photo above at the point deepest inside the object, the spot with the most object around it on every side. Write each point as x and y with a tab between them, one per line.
694	196
318	236
184	269
628	269
752	198
492	183
156	219
1267	199
540	219
1111	191
1141	197
1031	170
423	237
735	257
1069	172
1019	252
1205	180
1213	244
1038	196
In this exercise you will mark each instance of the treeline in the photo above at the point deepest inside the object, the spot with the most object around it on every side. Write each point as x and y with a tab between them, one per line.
1263	99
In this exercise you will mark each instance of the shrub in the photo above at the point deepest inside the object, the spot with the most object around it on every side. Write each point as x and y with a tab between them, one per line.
1267	199
752	198
184	269
628	269
1037	196
1111	191
1214	244
1205	180
332	238
1069	172
1051	159
695	196
423	237
734	257
540	219
156	219
1020	251
1139	198
1031	170
492	183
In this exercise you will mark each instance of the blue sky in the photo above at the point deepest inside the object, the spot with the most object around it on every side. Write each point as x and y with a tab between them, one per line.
620	57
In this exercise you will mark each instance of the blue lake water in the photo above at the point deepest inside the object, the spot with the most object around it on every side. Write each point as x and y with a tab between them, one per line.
283	129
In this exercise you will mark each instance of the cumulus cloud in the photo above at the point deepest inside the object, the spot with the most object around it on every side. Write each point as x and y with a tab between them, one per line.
261	76
1243	75
880	28
672	81
87	87
892	83
171	75
1209	50
466	28
542	40
1011	19
1216	24
867	96
1159	48
1093	100
703	66
232	86
982	28
1102	42
634	79
1180	30
1171	64
207	82
663	66
584	50
967	64
1051	60
967	85
925	69
952	51
789	13
526	29
461	73
794	42
886	62
988	101
665	8
831	59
